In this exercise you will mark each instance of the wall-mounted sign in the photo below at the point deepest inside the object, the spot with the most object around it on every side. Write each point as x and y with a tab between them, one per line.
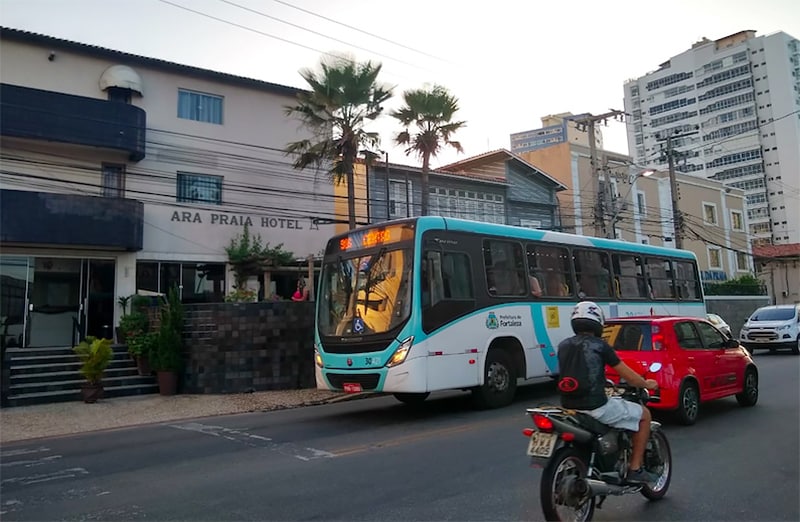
182	233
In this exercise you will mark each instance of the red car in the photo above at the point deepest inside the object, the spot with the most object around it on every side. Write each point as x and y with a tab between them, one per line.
699	363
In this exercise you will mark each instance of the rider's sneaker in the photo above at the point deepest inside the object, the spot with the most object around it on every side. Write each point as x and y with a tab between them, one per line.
641	476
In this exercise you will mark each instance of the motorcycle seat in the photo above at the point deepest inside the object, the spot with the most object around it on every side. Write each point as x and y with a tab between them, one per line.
592	424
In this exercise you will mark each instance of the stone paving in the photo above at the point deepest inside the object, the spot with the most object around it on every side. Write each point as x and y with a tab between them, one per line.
65	418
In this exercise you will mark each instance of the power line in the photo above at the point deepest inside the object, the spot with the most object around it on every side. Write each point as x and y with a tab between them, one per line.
361	31
254	11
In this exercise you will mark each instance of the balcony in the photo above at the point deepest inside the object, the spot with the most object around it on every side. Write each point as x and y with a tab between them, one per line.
52	116
68	220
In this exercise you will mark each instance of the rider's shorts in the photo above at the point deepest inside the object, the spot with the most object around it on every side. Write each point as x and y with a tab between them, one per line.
618	413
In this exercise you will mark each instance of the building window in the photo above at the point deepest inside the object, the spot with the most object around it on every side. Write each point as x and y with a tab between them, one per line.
741	262
737	221
714	258
199	107
709	213
113	180
641	208
196	282
199	188
400	194
477	206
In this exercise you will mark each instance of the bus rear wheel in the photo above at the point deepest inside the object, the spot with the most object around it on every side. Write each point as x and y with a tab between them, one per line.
411	398
499	382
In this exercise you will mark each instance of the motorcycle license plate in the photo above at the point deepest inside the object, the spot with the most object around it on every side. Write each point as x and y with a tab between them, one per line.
541	444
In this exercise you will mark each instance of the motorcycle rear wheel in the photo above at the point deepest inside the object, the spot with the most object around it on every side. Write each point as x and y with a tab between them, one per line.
658	460
560	502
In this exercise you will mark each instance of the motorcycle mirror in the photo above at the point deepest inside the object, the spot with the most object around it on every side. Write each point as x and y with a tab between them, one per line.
656	366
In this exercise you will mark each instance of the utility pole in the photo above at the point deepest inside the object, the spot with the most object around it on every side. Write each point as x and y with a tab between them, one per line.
587	123
677	216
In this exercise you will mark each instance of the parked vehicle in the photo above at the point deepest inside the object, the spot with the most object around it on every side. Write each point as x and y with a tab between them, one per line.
700	363
585	461
720	323
771	328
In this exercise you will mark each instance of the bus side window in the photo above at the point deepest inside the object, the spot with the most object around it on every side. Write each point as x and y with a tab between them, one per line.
505	268
550	266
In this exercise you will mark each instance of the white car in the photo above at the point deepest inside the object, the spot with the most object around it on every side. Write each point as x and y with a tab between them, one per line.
721	325
772	327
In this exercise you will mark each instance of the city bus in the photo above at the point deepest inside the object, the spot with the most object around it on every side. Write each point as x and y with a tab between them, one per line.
419	305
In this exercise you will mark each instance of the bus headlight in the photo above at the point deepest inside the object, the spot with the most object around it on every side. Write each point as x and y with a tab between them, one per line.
317	358
399	355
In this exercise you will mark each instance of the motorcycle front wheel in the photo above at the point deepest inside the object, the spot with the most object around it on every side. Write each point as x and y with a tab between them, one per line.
559	488
658	460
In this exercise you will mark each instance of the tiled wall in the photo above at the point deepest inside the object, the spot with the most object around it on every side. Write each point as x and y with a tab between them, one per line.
241	347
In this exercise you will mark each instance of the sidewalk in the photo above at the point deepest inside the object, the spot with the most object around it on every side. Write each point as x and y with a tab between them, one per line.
48	420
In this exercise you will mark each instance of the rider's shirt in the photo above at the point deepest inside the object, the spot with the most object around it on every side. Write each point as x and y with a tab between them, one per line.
581	361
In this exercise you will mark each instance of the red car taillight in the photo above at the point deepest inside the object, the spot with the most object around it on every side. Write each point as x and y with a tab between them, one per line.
658	339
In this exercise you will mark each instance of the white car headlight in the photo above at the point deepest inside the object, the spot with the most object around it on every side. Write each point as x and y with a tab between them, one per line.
784	327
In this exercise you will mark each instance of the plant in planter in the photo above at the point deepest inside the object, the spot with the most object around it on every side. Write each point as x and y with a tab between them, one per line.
167	359
95	354
129	324
140	347
249	257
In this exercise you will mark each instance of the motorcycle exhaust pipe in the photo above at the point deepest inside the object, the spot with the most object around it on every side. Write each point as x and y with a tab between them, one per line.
598	488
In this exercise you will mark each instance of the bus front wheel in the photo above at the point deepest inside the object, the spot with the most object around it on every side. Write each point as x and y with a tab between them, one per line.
499	381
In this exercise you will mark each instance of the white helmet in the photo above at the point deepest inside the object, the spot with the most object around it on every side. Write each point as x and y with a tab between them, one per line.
588	317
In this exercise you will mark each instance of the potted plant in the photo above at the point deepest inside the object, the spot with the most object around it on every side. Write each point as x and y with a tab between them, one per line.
167	360
95	354
136	321
140	347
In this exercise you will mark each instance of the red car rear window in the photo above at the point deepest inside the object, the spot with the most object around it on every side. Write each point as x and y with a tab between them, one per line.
629	336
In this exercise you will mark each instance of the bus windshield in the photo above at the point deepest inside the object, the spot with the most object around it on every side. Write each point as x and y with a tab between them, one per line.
365	294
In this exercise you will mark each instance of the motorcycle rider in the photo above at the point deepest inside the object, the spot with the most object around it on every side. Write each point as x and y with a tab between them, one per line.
582	359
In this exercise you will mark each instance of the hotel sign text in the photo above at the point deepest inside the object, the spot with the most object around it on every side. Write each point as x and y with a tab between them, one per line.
238	220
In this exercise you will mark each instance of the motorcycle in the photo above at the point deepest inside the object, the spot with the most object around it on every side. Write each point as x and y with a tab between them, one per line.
585	461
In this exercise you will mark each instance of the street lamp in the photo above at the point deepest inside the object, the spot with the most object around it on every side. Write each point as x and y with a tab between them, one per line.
618	208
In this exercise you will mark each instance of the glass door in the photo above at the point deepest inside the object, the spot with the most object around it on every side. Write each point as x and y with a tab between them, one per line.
13	301
55	308
99	298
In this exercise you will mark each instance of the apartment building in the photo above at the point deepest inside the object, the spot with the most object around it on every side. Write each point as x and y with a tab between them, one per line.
638	207
123	173
730	109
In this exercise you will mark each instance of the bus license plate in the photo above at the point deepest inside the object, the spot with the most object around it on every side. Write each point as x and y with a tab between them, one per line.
541	444
352	387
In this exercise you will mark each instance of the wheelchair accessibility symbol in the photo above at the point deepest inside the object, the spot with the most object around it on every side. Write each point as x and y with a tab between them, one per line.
358	325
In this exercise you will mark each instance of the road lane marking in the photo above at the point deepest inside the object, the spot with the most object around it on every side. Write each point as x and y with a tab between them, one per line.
22	451
30	463
255	441
47	477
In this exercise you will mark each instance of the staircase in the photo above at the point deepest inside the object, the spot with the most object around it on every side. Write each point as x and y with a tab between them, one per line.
47	375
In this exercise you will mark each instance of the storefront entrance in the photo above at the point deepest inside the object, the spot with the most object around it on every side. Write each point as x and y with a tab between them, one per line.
54	301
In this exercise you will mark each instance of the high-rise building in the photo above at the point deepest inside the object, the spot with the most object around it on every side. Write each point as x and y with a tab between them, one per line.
730	111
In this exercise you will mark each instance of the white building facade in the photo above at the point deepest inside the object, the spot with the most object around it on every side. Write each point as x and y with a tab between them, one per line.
122	173
733	107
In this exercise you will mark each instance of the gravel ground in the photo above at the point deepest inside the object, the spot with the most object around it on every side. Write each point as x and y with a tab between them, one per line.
48	420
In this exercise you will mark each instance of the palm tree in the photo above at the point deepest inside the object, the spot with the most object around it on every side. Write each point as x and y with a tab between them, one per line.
344	96
431	110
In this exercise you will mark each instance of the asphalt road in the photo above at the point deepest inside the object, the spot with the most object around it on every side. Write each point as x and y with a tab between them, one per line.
376	459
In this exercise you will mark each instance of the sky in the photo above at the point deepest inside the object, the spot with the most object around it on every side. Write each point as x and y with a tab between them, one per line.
509	62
